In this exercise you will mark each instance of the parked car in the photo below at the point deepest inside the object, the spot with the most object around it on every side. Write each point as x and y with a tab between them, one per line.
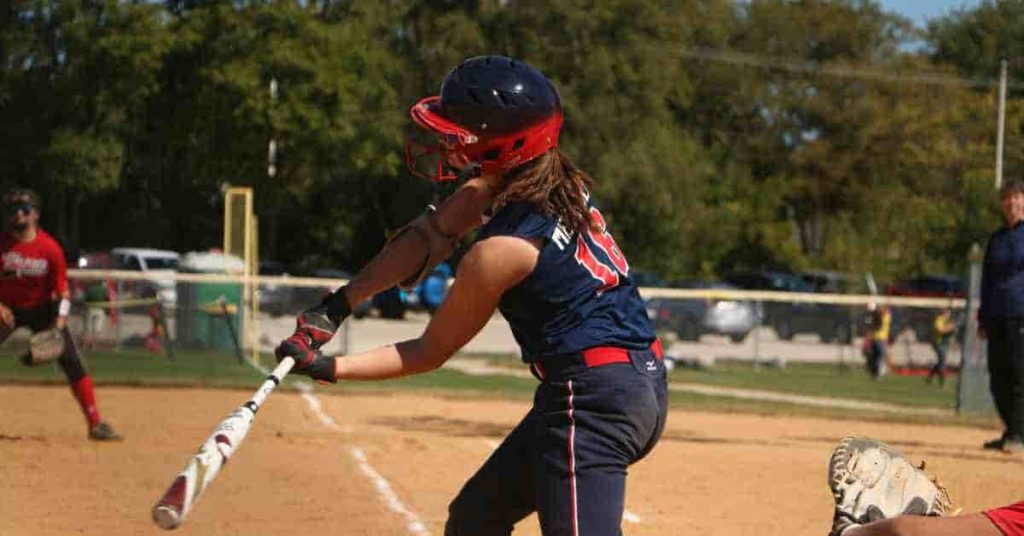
90	289
920	320
151	261
275	299
690	318
301	298
281	299
935	286
827	282
831	322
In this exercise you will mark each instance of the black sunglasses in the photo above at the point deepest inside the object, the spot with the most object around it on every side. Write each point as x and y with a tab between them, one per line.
24	207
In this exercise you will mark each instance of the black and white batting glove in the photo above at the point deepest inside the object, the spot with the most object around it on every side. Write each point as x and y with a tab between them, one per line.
314	327
308	362
319	324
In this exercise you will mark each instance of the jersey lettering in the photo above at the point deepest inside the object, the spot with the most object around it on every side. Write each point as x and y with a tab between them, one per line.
609	276
604	240
560	237
17	265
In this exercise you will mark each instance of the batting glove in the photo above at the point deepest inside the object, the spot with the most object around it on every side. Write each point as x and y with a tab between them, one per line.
307	361
318	324
314	327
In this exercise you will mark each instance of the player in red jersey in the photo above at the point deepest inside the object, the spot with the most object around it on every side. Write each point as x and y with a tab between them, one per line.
34	294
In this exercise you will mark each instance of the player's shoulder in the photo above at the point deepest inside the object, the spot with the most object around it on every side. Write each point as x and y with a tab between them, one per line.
1005	230
48	241
504	260
521	219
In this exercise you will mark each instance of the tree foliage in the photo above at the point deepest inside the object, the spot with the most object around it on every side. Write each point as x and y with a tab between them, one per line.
771	133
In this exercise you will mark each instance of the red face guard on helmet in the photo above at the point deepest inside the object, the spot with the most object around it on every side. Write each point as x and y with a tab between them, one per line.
457	147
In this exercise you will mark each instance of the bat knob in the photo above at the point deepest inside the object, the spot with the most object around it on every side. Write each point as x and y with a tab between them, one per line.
167	512
166	516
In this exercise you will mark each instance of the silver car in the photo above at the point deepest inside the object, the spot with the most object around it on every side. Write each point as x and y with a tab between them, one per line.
690	318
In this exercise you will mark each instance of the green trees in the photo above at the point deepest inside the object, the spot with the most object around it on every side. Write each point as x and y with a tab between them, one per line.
722	135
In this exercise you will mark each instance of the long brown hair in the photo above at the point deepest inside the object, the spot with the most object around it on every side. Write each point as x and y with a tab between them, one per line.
554	185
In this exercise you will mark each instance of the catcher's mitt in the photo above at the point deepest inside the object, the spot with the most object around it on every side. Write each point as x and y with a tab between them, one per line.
872	481
45	346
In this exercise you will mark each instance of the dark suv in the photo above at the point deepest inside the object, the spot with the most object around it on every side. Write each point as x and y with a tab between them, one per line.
831	322
920	320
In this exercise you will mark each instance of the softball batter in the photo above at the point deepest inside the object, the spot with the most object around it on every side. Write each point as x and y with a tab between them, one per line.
546	260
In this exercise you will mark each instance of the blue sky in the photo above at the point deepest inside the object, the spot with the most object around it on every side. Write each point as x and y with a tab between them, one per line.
921	10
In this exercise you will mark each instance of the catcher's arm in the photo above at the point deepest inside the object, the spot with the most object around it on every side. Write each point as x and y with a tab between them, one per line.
965	525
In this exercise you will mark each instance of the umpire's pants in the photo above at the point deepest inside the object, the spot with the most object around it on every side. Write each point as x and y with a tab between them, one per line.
1006	372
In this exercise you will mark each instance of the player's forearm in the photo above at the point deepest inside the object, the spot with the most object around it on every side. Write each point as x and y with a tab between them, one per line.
402	359
401	258
965	525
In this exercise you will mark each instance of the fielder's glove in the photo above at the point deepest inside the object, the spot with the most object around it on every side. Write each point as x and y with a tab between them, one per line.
872	481
44	347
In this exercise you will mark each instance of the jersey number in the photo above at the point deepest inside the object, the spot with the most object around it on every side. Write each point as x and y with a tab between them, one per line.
609	276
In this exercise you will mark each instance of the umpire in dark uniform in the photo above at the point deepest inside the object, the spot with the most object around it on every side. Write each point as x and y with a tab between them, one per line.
1001	315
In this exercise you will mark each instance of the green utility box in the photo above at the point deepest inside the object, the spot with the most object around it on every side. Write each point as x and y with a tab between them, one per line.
209	313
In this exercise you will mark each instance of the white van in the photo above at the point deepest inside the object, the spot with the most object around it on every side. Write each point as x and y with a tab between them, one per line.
152	261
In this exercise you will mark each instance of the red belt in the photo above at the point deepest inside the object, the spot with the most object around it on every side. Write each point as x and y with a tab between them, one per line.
606	355
600	356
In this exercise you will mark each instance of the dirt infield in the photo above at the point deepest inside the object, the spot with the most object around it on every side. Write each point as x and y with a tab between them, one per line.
295	474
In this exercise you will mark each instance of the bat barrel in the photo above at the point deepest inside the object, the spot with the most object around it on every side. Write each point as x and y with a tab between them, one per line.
170	511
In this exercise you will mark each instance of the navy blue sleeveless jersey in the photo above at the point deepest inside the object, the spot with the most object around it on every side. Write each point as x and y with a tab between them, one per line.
579	295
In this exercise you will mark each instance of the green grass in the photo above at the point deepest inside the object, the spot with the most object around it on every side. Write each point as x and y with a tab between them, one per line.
825	380
454	382
134	367
140	367
811	379
137	367
718	404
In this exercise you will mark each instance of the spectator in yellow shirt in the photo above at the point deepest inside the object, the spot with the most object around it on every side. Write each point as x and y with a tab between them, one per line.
943	327
879	322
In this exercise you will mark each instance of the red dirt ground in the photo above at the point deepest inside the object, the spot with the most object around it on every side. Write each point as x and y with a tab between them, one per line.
712	473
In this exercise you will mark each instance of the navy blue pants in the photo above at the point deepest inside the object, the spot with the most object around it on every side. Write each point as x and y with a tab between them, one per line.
568	458
1006	373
